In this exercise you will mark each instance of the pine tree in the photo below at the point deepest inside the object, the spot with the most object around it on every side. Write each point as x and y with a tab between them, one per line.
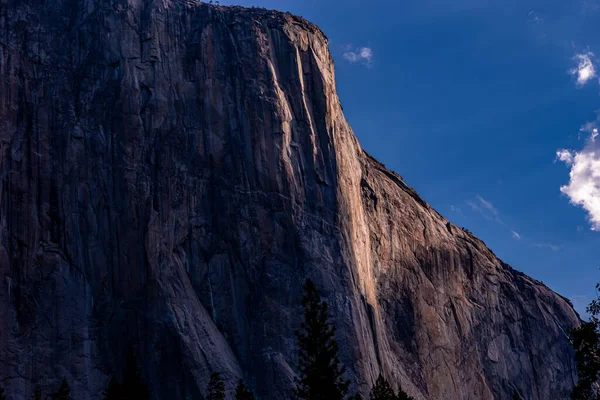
586	342
320	371
242	392
63	392
402	395
114	391
516	396
382	390
216	387
133	386
2	396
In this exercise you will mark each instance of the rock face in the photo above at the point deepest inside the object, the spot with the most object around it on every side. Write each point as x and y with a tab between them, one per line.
173	171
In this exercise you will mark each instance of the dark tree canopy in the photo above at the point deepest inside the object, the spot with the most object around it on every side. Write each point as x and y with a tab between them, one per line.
63	392
586	342
2	396
114	391
320	372
216	387
133	386
382	390
516	396
242	392
402	395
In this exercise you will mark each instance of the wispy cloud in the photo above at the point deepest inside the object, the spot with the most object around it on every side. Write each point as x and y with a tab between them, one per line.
535	17
583	189
456	210
487	205
485	208
552	247
363	55
585	69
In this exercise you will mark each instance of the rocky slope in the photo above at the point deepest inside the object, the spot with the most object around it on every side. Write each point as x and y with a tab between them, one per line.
173	171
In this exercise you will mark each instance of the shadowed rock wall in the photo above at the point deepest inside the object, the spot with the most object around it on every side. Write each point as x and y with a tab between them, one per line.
173	171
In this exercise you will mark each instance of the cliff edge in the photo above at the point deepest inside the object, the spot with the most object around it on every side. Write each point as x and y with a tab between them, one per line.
173	171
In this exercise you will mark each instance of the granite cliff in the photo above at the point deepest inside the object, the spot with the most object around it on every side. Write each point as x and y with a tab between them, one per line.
171	173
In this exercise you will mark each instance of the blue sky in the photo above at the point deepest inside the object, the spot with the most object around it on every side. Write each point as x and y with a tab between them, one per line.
482	107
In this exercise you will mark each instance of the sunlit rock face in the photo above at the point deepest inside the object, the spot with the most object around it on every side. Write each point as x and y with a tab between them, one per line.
173	171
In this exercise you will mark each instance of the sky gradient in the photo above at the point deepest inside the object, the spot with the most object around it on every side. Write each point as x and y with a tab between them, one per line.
485	108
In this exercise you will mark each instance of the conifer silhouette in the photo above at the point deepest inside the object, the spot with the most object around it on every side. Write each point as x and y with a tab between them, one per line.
242	392
382	390
133	386
321	373
114	391
586	342
63	392
402	394
216	388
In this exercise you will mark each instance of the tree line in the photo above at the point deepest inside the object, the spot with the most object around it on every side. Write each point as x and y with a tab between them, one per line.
586	342
321	374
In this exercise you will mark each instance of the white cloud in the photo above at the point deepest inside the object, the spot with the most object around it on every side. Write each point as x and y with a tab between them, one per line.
516	235
591	128
585	69
565	156
362	55
583	189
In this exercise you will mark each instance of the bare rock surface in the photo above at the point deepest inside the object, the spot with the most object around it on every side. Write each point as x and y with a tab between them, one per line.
173	171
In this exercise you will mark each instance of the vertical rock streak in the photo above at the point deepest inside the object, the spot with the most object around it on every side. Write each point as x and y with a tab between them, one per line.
173	171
